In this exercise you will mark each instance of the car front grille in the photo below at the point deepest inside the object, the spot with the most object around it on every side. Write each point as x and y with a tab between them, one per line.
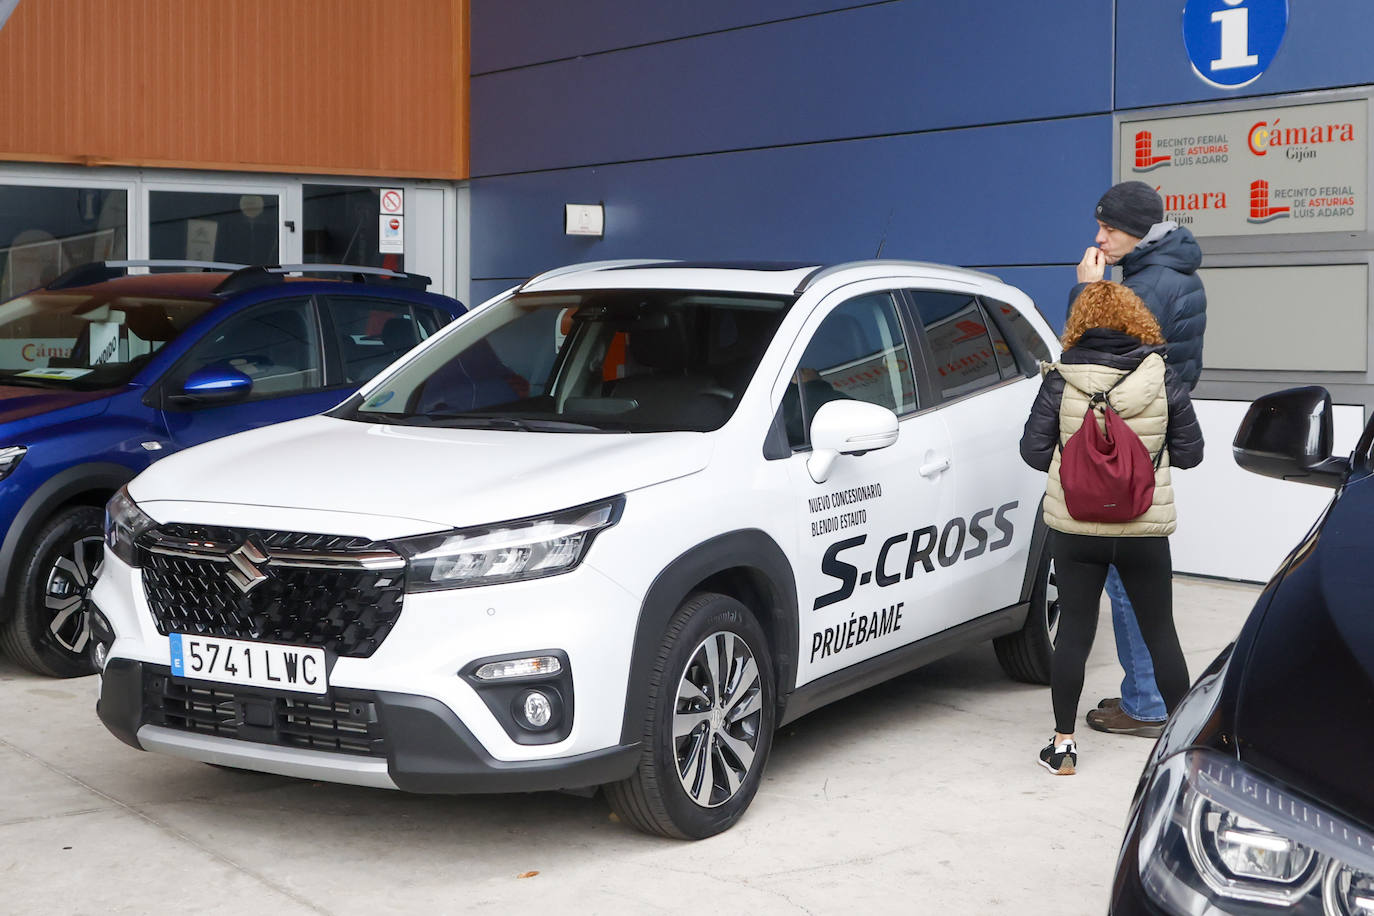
341	594
344	722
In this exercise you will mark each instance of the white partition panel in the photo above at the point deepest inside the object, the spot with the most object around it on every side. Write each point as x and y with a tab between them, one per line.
1239	525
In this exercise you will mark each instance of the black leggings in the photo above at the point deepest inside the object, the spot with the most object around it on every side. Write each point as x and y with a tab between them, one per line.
1080	569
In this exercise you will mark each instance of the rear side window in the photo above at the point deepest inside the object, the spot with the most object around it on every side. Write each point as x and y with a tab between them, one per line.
964	358
1019	330
371	333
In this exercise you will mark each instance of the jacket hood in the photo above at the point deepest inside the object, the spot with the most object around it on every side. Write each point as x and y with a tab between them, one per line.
1176	250
1103	358
435	478
1304	697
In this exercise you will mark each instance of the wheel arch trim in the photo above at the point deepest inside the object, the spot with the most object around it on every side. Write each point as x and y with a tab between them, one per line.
753	552
56	491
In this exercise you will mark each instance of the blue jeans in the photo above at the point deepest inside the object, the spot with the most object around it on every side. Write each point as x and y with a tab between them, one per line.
1140	697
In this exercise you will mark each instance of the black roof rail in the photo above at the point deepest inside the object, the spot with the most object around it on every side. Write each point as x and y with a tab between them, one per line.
251	277
100	271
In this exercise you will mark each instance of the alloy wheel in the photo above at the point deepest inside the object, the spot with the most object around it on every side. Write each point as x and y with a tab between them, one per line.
716	719
66	594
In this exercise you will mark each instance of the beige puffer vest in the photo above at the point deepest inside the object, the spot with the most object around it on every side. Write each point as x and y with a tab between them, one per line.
1142	402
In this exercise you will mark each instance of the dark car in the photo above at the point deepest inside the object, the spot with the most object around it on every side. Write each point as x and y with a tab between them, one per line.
1259	797
106	369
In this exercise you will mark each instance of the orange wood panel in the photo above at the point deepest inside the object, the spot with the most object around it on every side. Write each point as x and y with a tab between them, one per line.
363	87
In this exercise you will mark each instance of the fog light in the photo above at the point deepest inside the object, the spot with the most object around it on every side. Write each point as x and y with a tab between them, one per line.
537	708
544	665
99	655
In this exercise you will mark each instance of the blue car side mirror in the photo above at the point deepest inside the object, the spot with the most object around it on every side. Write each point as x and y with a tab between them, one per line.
213	385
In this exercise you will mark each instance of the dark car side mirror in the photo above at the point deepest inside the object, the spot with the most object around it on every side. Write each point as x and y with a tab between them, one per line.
212	386
1288	435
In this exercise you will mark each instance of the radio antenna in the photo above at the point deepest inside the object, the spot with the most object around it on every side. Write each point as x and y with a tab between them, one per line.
887	226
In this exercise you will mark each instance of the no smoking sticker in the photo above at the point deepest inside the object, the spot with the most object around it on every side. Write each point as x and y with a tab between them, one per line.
393	201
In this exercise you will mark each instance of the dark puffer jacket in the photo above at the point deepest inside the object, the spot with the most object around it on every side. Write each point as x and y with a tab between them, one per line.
1163	274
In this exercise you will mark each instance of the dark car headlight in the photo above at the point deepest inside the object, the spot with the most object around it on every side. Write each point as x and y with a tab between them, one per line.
525	549
124	521
1217	837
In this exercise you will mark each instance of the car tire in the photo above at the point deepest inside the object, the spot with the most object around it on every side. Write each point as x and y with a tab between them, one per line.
712	682
1027	654
49	629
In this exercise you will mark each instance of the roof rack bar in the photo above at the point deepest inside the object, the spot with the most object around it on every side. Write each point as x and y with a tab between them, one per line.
338	269
590	265
157	262
816	275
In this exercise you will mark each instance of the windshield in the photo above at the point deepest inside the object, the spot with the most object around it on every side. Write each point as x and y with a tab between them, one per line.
593	361
81	341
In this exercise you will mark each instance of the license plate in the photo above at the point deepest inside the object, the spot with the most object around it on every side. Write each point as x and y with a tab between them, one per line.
257	664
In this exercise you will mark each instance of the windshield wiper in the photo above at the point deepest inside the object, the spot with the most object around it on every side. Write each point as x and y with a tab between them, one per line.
524	424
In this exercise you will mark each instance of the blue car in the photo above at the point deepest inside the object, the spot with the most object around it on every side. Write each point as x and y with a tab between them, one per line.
104	371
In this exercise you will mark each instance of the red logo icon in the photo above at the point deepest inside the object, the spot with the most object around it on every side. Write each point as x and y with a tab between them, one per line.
395	224
1261	211
1145	158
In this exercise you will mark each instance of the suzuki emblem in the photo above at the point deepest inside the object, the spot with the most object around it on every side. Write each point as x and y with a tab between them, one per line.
246	566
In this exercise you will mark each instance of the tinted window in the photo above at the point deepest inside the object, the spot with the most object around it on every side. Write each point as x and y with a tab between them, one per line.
962	351
276	345
1019	329
371	333
858	352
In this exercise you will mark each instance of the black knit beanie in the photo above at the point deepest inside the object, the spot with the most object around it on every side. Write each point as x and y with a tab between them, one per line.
1132	206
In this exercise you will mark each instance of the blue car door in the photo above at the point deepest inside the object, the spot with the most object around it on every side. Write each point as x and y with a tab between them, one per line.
279	346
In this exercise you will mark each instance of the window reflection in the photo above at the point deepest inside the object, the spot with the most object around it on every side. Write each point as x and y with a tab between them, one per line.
45	231
204	226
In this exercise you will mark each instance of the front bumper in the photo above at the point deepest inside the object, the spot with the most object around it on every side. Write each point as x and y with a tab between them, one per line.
420	745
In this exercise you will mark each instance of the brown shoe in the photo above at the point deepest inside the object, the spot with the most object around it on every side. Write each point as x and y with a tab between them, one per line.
1109	703
1116	722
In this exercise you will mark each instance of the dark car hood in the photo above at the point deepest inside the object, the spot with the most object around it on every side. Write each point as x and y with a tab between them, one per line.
1304	701
19	403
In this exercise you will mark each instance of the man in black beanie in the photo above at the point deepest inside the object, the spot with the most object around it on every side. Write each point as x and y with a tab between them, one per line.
1159	261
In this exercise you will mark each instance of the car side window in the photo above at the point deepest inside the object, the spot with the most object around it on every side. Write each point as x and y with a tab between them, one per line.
1006	359
371	333
859	352
1019	330
964	358
277	345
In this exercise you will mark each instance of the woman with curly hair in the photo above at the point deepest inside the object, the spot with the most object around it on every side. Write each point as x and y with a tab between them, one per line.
1113	354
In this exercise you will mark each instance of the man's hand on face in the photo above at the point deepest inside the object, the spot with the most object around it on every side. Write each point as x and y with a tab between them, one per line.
1093	266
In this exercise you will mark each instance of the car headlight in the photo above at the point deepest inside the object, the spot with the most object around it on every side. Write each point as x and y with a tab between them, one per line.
525	549
10	458
1217	837
124	521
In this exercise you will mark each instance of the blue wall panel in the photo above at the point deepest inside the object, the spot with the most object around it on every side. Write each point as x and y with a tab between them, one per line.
1019	194
884	69
1328	44
516	33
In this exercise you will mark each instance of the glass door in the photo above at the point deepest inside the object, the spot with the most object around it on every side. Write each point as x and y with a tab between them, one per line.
245	224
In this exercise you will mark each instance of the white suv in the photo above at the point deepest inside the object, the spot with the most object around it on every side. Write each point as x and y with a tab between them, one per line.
609	529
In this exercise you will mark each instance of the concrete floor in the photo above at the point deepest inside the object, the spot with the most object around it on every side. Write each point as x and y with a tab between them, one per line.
919	796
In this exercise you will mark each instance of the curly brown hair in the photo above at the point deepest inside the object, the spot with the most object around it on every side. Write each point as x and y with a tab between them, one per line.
1105	304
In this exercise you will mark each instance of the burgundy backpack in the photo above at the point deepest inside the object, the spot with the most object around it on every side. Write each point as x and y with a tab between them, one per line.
1107	476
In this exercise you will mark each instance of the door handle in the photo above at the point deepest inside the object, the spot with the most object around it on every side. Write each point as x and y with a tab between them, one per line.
938	466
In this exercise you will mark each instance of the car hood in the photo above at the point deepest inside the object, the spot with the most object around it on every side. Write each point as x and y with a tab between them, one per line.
1304	701
440	478
18	403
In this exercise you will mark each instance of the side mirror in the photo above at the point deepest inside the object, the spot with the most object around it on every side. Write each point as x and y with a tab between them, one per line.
847	428
213	385
1287	435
